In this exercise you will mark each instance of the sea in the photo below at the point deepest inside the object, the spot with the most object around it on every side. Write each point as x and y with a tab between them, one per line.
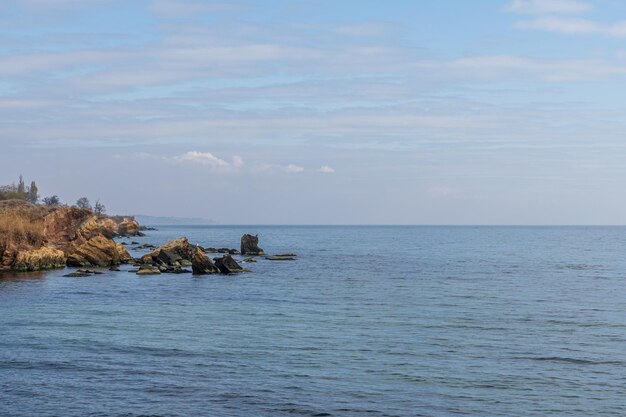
367	321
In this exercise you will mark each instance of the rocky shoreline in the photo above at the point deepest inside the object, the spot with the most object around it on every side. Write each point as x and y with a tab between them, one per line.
74	237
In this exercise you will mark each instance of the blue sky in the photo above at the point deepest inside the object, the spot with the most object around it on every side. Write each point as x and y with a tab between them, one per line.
312	111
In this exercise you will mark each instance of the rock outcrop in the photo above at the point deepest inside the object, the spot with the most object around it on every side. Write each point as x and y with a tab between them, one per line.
249	245
201	264
86	239
40	259
70	227
129	227
227	265
98	251
174	253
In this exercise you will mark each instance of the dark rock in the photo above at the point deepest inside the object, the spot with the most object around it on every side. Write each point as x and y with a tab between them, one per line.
146	246
201	264
249	260
210	250
234	252
77	274
175	270
90	271
249	245
291	255
280	258
227	265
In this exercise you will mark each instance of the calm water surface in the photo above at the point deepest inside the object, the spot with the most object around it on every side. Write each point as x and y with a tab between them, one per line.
369	321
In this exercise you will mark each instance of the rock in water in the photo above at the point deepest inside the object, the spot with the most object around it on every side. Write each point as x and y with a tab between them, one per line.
172	253
249	245
227	265
201	264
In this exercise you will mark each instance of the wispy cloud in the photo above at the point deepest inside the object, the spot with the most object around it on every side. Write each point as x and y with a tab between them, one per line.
325	169
549	6
293	169
573	26
551	17
209	160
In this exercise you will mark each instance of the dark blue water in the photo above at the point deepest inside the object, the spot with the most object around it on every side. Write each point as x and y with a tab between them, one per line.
369	321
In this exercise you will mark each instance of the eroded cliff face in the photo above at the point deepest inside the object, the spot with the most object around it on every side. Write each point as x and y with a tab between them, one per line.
39	239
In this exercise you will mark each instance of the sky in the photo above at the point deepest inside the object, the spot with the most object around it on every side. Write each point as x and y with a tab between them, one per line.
320	111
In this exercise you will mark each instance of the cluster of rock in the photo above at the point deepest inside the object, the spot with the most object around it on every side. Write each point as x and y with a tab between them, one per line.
173	256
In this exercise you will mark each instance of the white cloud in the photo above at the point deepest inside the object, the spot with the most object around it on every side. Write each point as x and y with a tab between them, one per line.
204	158
208	159
573	26
548	6
293	169
325	169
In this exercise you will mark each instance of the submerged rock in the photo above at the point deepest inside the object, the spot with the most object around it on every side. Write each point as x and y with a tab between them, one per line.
227	265
144	246
249	245
77	274
201	264
280	258
83	273
148	270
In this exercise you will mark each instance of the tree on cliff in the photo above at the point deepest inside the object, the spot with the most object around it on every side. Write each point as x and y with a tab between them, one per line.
33	193
99	208
21	187
53	200
83	203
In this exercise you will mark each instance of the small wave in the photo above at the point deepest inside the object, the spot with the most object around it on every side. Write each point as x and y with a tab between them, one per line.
576	361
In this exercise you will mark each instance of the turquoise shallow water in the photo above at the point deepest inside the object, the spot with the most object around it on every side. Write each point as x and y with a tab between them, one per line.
369	321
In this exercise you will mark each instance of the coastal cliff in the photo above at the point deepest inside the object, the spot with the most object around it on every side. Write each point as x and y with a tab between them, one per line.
35	237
